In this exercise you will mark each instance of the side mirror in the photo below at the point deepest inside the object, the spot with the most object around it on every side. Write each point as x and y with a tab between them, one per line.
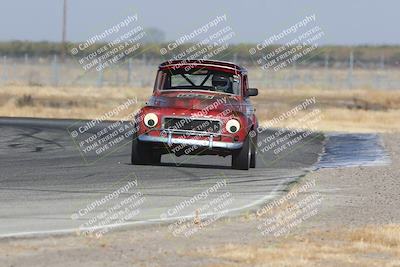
252	92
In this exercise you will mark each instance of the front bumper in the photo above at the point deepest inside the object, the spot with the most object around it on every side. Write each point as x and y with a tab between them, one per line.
210	143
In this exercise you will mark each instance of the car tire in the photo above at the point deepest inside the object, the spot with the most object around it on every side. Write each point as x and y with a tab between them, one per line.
156	158
141	153
253	147
241	158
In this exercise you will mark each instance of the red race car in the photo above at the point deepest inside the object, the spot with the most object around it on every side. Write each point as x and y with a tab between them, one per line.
198	107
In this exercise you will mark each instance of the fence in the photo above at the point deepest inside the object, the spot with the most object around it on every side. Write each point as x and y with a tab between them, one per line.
38	71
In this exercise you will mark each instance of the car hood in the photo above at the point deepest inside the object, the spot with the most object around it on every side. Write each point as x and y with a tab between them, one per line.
196	100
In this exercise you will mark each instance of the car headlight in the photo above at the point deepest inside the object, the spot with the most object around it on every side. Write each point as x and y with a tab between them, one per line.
232	126
150	120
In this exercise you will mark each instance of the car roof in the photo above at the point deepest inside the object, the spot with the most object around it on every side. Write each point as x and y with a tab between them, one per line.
203	63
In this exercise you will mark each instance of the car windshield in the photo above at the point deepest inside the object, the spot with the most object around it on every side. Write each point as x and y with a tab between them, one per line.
198	79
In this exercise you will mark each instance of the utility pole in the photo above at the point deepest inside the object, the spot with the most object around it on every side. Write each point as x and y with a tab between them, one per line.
64	32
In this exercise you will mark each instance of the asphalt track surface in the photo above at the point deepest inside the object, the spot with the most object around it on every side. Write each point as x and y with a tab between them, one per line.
45	183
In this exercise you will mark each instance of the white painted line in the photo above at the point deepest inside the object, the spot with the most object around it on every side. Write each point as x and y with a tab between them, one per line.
149	221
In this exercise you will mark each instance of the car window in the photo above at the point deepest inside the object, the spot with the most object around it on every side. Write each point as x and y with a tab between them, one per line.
199	79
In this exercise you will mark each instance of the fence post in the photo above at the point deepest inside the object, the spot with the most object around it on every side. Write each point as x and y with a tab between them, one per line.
116	67
144	58
265	81
380	72
326	68
55	71
5	71
14	71
129	79
351	66
293	75
100	78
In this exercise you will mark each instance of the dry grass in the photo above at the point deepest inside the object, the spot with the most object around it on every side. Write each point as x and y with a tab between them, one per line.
341	120
66	102
367	246
359	110
342	110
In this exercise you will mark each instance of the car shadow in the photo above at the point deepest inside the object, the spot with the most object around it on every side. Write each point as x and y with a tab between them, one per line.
187	165
192	165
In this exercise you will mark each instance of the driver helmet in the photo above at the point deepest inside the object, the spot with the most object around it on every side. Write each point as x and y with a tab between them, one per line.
221	82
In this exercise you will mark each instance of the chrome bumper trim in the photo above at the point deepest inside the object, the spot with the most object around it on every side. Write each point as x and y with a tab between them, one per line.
181	141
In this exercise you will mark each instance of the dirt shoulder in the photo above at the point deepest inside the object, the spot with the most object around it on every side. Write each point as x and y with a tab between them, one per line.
360	195
356	223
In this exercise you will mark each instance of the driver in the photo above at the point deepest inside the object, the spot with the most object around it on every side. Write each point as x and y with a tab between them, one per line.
221	82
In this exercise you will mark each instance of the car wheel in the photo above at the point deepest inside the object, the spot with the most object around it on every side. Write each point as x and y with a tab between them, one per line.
241	158
141	153
156	158
253	147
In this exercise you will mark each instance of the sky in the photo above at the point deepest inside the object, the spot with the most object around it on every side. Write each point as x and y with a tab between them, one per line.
344	22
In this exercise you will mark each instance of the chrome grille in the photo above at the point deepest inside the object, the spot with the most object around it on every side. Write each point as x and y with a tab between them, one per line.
189	124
